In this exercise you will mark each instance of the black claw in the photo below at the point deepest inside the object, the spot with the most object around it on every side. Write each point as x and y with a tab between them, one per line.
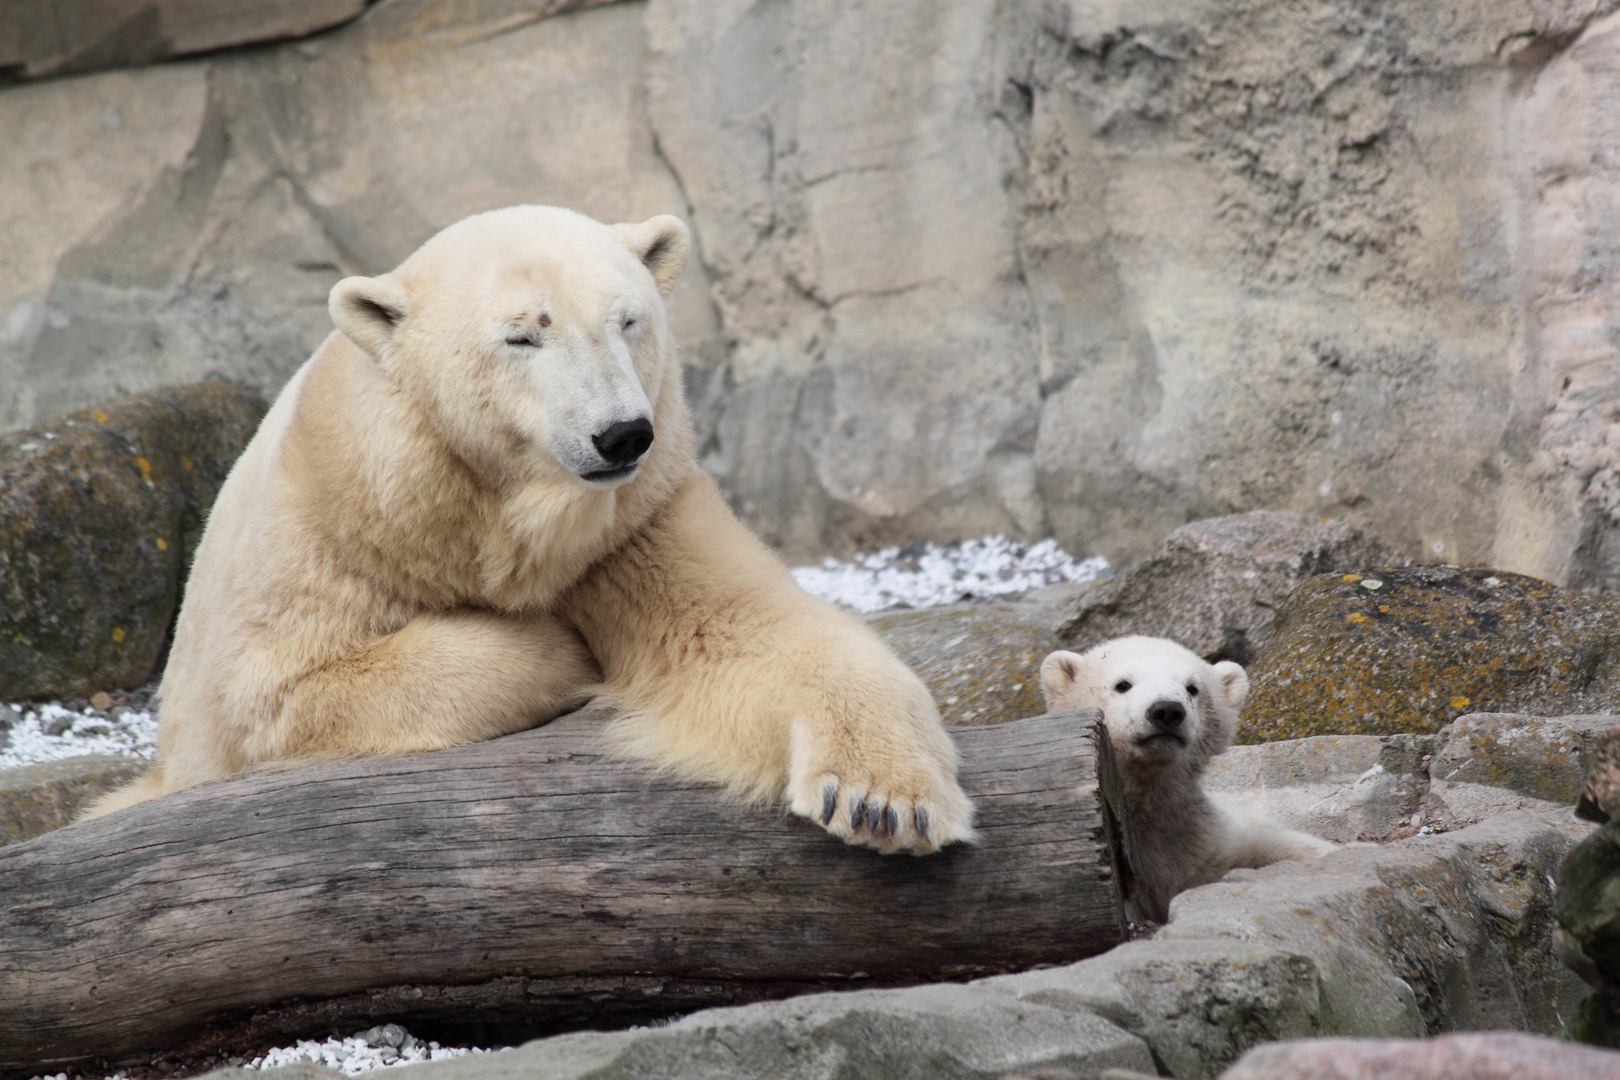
919	817
857	813
829	803
891	820
874	811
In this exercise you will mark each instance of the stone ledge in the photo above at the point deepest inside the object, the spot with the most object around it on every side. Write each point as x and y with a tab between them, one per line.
1336	786
1544	757
1430	934
35	799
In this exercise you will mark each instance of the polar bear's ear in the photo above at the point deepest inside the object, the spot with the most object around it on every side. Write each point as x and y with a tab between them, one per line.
663	244
1059	672
1234	680
368	311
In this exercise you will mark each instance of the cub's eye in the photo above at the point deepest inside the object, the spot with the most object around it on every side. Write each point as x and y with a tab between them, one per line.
1192	691
518	338
1122	687
629	324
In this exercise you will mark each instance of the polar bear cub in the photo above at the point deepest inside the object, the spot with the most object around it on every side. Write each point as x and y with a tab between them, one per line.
1168	712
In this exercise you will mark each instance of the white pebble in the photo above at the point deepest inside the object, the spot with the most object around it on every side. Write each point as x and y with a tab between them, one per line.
133	734
353	1056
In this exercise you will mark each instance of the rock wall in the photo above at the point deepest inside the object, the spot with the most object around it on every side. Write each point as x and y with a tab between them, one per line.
1090	269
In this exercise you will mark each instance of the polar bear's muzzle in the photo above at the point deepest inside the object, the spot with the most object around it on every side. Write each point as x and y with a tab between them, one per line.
1165	717
621	445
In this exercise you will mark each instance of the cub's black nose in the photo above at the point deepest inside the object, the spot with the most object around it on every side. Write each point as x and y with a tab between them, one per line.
1167	714
624	442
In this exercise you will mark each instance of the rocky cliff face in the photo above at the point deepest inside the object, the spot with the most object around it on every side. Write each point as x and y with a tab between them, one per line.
1089	269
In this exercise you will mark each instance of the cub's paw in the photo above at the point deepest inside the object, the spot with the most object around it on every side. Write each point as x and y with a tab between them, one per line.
1298	845
892	797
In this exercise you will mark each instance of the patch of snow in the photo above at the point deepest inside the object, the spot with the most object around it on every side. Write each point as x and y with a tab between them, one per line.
28	739
920	575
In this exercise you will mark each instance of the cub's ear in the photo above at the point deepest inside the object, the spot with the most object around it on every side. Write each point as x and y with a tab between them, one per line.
1059	674
369	311
1234	680
663	244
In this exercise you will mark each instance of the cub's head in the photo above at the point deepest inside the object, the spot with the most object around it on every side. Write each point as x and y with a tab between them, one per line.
532	337
1164	706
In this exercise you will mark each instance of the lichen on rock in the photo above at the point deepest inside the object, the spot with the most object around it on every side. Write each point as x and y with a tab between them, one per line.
1411	649
99	513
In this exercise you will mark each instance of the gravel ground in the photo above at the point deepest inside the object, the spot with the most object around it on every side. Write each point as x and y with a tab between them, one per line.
120	723
380	1047
917	575
376	1048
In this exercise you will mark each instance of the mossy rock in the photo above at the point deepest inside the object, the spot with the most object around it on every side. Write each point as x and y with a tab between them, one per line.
980	661
1412	648
99	513
1586	901
1596	1022
1586	906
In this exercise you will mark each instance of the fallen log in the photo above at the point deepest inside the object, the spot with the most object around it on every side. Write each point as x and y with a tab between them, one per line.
529	882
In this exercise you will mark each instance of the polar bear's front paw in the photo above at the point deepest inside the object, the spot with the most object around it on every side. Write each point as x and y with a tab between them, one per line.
886	801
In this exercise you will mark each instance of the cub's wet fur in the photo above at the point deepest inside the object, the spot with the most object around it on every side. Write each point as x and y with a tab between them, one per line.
1168	712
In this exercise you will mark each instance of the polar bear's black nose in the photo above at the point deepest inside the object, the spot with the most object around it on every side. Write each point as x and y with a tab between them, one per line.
1167	714
624	442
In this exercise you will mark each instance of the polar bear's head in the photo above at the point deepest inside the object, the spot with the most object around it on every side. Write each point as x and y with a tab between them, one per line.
1164	706
530	334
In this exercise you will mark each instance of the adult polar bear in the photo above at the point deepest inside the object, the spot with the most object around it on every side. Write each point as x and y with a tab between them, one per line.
480	489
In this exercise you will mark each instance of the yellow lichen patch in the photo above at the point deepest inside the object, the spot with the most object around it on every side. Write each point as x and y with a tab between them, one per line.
118	635
145	467
1337	665
162	544
185	463
1351	577
99	417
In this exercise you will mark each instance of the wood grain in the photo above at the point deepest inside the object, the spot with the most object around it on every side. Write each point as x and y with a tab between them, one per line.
530	879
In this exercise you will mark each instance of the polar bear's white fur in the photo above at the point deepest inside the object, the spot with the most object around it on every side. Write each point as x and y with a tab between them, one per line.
476	506
1168	712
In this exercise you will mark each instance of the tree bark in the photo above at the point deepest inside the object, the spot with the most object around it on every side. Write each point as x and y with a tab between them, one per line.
530	881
